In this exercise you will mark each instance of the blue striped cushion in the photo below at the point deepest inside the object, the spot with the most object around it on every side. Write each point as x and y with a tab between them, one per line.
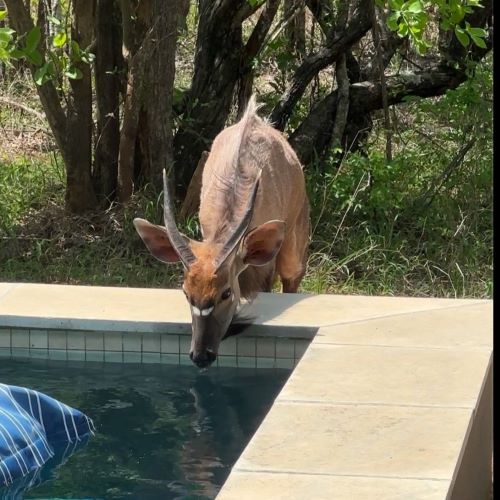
32	426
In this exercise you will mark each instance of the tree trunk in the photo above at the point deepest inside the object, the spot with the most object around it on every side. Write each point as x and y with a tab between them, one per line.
220	60
149	40
217	63
158	90
108	64
80	194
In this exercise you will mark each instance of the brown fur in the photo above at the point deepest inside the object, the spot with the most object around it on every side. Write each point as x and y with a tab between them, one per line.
237	156
201	283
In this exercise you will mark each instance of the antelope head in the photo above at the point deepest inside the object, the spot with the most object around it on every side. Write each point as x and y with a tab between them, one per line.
211	269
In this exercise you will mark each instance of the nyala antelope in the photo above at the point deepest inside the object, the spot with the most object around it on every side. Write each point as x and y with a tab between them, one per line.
254	218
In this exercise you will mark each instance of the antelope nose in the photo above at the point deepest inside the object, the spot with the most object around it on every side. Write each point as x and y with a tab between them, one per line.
203	359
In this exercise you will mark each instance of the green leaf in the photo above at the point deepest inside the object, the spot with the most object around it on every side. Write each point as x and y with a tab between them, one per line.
34	57
16	54
457	14
33	38
477	32
87	57
396	4
73	73
462	36
415	7
392	21
478	41
42	74
54	20
60	39
6	34
403	29
4	55
75	47
3	14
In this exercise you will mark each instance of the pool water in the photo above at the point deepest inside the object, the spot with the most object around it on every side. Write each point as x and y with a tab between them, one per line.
163	431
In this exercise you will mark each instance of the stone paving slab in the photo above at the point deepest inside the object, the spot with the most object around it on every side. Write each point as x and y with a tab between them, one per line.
407	396
5	288
140	309
360	440
464	326
284	486
388	376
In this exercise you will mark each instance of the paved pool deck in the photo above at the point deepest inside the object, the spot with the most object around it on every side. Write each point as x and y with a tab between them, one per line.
391	400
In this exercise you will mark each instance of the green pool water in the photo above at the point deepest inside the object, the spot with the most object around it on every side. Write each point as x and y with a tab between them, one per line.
163	432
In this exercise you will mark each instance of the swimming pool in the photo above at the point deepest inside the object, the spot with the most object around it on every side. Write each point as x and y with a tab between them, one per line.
163	431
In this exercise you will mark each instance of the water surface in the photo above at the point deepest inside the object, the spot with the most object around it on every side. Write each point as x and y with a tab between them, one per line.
163	432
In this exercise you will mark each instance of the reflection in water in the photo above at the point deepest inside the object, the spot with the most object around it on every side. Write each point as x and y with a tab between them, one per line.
163	432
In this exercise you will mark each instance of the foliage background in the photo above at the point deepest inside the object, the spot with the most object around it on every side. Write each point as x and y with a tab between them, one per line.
419	225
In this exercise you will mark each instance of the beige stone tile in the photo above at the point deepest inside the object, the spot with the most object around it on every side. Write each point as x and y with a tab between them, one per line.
469	326
5	288
96	303
110	305
268	486
388	375
388	441
320	310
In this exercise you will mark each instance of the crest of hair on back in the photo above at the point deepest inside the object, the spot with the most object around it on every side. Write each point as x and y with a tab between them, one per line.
233	179
249	117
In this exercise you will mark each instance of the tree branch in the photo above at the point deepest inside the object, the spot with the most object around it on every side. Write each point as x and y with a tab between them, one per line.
22	23
15	104
322	10
342	102
312	136
253	47
337	43
435	186
381	76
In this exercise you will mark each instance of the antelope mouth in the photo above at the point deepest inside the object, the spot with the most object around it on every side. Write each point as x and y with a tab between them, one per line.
203	359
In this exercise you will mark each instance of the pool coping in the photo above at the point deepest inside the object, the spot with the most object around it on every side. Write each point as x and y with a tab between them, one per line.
359	333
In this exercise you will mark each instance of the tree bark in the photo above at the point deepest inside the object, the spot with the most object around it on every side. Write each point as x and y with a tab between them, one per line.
337	43
108	64
73	130
217	66
158	91
381	76
80	194
136	42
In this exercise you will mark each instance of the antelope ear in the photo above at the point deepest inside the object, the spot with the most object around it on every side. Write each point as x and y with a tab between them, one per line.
156	240
261	244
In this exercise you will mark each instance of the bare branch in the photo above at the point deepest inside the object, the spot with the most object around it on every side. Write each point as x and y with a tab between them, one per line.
15	104
335	46
425	200
381	75
314	133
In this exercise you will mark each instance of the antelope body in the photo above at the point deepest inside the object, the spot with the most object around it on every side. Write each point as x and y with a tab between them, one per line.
254	217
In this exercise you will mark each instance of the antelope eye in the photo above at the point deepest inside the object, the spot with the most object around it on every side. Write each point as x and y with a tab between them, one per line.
226	294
